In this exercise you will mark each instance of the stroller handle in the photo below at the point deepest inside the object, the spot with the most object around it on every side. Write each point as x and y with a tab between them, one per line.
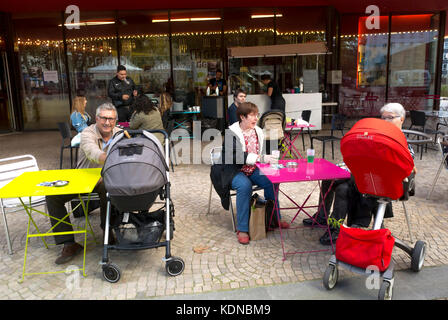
136	132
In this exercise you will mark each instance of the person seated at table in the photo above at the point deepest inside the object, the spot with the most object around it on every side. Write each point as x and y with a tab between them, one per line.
146	116
95	140
242	148
79	118
239	96
348	202
166	102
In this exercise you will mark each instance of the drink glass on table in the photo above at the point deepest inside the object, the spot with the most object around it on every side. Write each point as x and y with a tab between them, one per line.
310	155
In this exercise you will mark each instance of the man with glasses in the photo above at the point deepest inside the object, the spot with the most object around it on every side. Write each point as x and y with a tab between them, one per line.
95	141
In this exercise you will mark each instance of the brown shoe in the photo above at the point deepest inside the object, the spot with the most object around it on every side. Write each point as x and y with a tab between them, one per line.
69	252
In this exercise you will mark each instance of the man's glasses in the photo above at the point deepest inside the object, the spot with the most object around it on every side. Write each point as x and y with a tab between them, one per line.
105	119
389	117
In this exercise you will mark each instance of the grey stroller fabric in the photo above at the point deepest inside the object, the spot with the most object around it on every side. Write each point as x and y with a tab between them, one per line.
273	123
134	171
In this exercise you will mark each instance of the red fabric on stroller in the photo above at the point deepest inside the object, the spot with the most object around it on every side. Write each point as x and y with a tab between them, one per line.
377	154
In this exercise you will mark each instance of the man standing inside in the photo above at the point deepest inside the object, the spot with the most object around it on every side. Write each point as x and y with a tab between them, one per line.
274	91
122	91
238	98
218	82
95	140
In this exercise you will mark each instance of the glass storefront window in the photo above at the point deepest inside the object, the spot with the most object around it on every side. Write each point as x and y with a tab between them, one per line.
244	27
412	60
197	52
44	89
363	89
145	48
92	57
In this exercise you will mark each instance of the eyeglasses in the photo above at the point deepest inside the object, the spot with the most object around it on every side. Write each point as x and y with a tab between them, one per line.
105	119
389	117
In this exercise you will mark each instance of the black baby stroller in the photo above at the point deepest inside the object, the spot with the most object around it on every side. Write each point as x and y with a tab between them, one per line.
135	173
378	157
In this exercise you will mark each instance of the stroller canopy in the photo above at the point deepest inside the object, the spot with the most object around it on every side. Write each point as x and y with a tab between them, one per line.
377	154
273	123
134	166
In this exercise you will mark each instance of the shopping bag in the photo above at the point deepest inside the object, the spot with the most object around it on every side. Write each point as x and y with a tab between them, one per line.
257	230
271	219
365	248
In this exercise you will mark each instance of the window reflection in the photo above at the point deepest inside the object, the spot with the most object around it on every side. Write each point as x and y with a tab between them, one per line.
44	90
92	58
145	48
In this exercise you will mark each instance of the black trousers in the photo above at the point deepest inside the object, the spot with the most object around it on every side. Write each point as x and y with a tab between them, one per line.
341	193
123	113
56	208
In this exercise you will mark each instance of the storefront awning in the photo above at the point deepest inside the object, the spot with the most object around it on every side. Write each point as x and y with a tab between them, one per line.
280	50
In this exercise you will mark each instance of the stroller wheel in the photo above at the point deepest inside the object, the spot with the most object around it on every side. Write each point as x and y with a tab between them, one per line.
418	256
175	266
330	277
385	292
111	273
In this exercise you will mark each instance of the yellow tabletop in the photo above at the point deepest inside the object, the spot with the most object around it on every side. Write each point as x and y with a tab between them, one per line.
27	184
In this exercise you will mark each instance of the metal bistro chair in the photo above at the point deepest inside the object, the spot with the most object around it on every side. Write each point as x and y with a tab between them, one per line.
306	115
215	156
66	134
337	124
10	168
418	119
443	163
169	127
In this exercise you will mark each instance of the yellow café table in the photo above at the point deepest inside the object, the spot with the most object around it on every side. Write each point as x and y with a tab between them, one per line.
27	185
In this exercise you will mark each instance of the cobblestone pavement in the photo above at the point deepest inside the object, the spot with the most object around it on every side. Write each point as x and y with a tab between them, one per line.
224	264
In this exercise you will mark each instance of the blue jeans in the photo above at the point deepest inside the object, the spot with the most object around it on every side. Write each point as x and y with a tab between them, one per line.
243	186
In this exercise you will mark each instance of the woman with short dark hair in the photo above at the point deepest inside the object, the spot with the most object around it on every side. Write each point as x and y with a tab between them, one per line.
146	116
242	148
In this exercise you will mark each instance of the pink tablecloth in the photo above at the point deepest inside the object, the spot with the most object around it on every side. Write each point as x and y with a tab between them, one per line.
320	169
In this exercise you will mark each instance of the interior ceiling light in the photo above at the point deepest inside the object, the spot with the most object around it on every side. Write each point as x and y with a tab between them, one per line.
261	16
87	23
187	19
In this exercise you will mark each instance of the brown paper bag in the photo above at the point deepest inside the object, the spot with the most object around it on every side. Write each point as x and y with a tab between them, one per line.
257	229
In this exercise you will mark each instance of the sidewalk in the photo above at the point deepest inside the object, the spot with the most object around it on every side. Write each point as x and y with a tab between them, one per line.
226	270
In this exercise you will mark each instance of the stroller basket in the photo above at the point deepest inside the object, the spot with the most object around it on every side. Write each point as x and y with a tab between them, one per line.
140	229
146	235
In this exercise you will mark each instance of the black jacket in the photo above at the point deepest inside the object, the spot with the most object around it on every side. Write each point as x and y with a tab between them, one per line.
118	88
232	160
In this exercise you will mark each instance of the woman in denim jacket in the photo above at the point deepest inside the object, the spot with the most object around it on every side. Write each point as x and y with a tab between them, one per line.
79	118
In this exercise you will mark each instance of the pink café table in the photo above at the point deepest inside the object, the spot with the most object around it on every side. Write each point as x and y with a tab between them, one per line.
320	169
290	143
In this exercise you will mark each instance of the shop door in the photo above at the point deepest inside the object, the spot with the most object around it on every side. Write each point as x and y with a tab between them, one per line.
6	116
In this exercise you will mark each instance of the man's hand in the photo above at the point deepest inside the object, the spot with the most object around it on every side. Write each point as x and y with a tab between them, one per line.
125	97
135	93
102	157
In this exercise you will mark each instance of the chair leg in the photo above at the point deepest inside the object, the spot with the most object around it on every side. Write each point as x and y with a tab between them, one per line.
210	197
5	223
233	215
61	157
303	141
407	221
71	158
332	150
323	149
435	179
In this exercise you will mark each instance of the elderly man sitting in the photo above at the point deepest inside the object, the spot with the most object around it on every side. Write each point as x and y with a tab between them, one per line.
95	141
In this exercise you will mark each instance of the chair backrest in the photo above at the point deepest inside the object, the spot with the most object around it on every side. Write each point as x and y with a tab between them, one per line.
418	118
64	130
215	155
306	115
12	167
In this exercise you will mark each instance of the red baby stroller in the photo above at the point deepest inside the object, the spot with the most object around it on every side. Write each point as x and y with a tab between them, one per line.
377	154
